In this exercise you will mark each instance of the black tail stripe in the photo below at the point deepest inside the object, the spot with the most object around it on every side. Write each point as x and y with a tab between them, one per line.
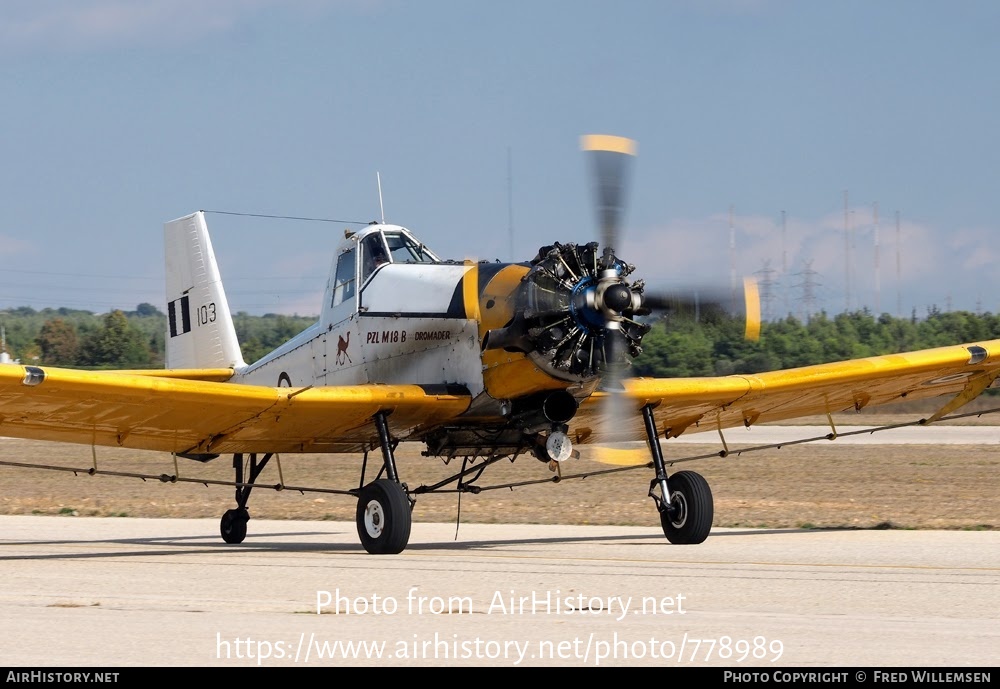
185	315
172	318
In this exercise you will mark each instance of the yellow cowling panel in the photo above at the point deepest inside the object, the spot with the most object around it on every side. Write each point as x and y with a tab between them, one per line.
177	415
508	375
699	404
497	298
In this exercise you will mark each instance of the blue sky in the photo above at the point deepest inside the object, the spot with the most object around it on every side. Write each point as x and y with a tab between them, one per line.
118	116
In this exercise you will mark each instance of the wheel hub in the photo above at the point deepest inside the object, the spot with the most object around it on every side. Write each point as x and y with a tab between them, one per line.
678	509
374	519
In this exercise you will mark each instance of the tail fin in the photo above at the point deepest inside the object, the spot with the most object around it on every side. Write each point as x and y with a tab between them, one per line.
200	331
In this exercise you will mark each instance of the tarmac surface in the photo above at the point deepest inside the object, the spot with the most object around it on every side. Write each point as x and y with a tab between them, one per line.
120	592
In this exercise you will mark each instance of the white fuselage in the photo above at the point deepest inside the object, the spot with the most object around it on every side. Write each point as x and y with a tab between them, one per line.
405	324
389	342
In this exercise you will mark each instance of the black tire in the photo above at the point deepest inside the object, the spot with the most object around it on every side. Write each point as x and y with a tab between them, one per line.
383	517
693	509
233	526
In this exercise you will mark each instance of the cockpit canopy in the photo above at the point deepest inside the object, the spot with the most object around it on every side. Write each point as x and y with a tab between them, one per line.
375	245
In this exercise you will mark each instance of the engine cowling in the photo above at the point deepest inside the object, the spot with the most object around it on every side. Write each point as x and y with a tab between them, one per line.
574	313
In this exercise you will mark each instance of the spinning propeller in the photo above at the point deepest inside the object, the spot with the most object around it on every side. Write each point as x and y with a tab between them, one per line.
578	316
620	301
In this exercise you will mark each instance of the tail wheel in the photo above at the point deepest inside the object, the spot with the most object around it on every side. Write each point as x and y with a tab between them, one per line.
383	517
689	519
233	526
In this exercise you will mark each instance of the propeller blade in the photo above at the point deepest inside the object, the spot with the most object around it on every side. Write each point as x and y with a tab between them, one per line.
610	163
615	455
614	303
743	303
610	156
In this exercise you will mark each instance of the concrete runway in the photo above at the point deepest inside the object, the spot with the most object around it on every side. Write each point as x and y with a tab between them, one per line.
157	592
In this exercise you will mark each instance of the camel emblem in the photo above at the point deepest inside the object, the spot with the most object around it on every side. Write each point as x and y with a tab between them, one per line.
342	354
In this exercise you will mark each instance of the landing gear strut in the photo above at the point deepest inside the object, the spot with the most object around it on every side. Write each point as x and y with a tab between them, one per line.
685	505
384	509
384	505
233	525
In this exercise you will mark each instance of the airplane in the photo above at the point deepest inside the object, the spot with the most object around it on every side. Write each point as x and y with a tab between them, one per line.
477	361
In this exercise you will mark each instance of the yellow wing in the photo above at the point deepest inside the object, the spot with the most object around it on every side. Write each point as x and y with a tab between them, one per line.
195	412
699	404
188	412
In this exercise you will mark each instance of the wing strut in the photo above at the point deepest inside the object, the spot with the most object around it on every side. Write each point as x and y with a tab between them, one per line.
833	428
973	388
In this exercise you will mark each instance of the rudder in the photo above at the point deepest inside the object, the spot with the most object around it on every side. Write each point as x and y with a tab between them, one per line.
200	330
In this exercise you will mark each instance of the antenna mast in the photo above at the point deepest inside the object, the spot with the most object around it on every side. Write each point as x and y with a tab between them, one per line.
766	284
784	264
878	282
899	274
847	256
808	286
732	256
381	208
510	204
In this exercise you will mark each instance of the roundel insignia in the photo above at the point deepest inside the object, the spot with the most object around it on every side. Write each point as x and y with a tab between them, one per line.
952	378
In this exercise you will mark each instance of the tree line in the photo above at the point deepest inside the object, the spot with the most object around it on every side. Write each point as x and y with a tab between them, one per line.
123	339
714	344
679	345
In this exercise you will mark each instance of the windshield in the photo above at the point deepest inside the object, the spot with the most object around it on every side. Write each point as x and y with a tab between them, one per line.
405	249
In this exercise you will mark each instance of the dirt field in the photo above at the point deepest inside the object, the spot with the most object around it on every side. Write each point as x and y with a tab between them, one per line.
821	485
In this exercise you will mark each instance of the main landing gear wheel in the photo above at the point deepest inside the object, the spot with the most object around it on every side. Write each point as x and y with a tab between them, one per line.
233	526
689	518
384	517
